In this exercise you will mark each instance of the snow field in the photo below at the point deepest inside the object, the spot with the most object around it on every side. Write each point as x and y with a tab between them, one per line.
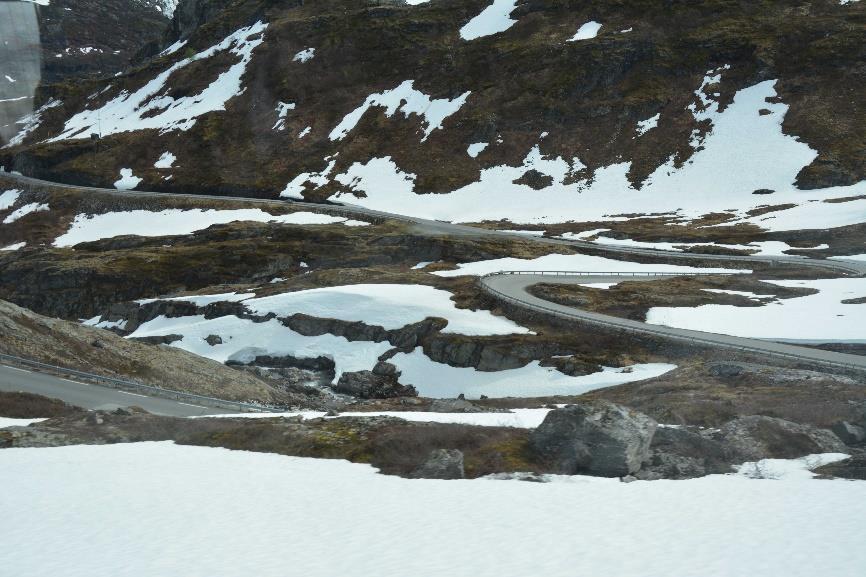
568	262
344	519
389	306
433	379
492	20
406	99
147	108
740	136
8	422
820	317
24	211
586	31
175	221
8	198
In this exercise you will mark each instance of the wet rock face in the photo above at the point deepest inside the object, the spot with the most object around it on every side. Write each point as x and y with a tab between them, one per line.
594	438
757	437
441	464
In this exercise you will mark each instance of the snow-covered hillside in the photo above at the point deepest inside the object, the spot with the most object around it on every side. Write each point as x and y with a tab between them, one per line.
525	113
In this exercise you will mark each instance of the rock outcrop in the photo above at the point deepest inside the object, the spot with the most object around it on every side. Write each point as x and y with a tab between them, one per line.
680	453
758	437
594	438
441	464
380	383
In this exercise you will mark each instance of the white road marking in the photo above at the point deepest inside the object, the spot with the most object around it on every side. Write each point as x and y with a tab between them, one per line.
76	382
17	369
189	405
133	394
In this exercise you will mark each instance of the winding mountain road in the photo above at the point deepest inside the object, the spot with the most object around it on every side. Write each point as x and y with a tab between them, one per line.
507	286
427	226
511	286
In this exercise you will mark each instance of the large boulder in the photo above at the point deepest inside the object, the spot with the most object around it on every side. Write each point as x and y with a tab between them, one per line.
680	453
441	464
594	438
849	433
758	437
370	385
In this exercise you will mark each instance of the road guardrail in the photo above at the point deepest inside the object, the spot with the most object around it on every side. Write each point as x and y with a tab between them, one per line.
148	390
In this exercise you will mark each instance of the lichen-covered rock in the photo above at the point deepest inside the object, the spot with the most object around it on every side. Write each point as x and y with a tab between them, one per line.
441	464
595	438
758	437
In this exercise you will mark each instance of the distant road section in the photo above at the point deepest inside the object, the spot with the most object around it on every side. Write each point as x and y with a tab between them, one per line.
512	288
437	227
88	396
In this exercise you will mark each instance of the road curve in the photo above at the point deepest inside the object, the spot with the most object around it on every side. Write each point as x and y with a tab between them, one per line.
512	287
437	227
91	396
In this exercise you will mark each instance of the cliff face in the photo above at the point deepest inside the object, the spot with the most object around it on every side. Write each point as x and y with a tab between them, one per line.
504	106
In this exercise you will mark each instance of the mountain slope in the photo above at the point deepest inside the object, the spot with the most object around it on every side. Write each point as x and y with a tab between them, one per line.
524	110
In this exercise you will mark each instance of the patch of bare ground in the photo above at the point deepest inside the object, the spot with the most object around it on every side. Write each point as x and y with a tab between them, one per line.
394	446
710	393
632	299
70	345
21	405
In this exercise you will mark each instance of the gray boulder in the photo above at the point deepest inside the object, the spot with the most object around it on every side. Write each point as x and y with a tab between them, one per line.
441	464
758	437
849	433
679	453
594	438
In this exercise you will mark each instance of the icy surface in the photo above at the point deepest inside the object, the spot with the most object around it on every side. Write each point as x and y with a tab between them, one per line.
567	262
391	306
434	379
153	512
821	317
172	221
407	100
127	180
24	211
149	107
587	31
492	20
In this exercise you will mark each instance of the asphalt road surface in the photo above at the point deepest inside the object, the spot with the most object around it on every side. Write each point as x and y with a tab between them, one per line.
89	396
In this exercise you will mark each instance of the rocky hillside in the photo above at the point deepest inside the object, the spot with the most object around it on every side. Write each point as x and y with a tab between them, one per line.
504	110
63	343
